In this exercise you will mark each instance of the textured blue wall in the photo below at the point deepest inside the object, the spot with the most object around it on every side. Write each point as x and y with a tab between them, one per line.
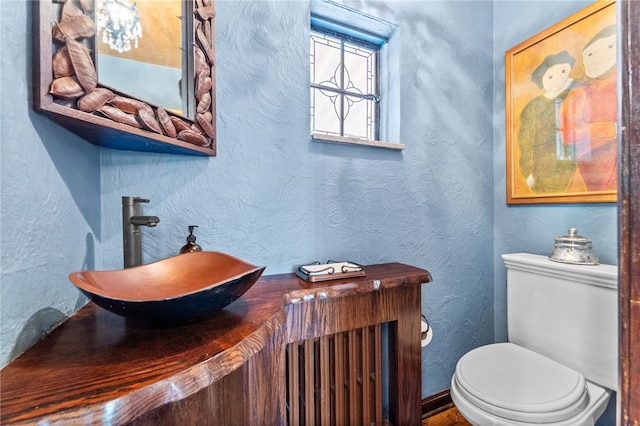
530	228
272	196
50	197
533	228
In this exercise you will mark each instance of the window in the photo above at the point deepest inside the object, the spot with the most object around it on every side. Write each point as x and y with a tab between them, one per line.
345	89
354	78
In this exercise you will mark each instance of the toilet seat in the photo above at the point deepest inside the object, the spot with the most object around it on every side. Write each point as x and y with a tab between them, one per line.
518	384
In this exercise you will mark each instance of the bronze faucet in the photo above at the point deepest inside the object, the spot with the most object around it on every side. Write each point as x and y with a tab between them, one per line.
132	220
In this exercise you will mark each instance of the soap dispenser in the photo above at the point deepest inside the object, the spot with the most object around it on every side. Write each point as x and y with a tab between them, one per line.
191	245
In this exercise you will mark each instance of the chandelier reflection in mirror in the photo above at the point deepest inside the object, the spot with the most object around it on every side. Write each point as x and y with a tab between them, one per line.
119	23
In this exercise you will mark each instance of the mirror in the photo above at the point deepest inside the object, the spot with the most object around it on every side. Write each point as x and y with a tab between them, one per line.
119	95
141	46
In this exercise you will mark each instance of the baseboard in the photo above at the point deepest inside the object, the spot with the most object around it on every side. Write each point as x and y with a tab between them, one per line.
437	403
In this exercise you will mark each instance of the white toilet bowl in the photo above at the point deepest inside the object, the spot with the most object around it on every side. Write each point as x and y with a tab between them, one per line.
505	384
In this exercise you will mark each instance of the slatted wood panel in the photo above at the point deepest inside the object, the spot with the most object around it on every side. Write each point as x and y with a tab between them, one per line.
336	379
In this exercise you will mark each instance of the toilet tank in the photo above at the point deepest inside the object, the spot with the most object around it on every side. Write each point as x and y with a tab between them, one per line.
566	312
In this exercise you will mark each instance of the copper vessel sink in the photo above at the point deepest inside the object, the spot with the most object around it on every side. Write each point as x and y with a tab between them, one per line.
180	288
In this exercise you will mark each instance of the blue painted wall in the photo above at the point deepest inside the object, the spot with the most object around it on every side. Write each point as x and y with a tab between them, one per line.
533	228
50	201
272	196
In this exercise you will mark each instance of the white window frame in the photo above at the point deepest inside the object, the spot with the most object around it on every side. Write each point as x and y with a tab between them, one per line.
339	18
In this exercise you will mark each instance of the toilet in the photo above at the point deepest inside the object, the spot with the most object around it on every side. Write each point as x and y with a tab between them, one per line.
560	364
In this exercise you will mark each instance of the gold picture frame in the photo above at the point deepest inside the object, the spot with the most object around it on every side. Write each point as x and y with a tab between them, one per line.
561	111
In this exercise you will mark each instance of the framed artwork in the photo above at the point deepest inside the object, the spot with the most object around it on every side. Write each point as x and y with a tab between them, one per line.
561	111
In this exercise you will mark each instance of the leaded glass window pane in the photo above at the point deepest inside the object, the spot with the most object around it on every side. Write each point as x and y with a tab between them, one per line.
344	86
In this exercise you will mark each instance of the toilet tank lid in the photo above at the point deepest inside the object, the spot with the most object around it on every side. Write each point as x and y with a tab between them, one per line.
600	275
517	379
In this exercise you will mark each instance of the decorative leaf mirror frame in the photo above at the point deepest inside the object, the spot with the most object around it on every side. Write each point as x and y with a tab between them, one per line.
71	95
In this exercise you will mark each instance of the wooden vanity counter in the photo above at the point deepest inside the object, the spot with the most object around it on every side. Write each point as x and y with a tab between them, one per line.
100	368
